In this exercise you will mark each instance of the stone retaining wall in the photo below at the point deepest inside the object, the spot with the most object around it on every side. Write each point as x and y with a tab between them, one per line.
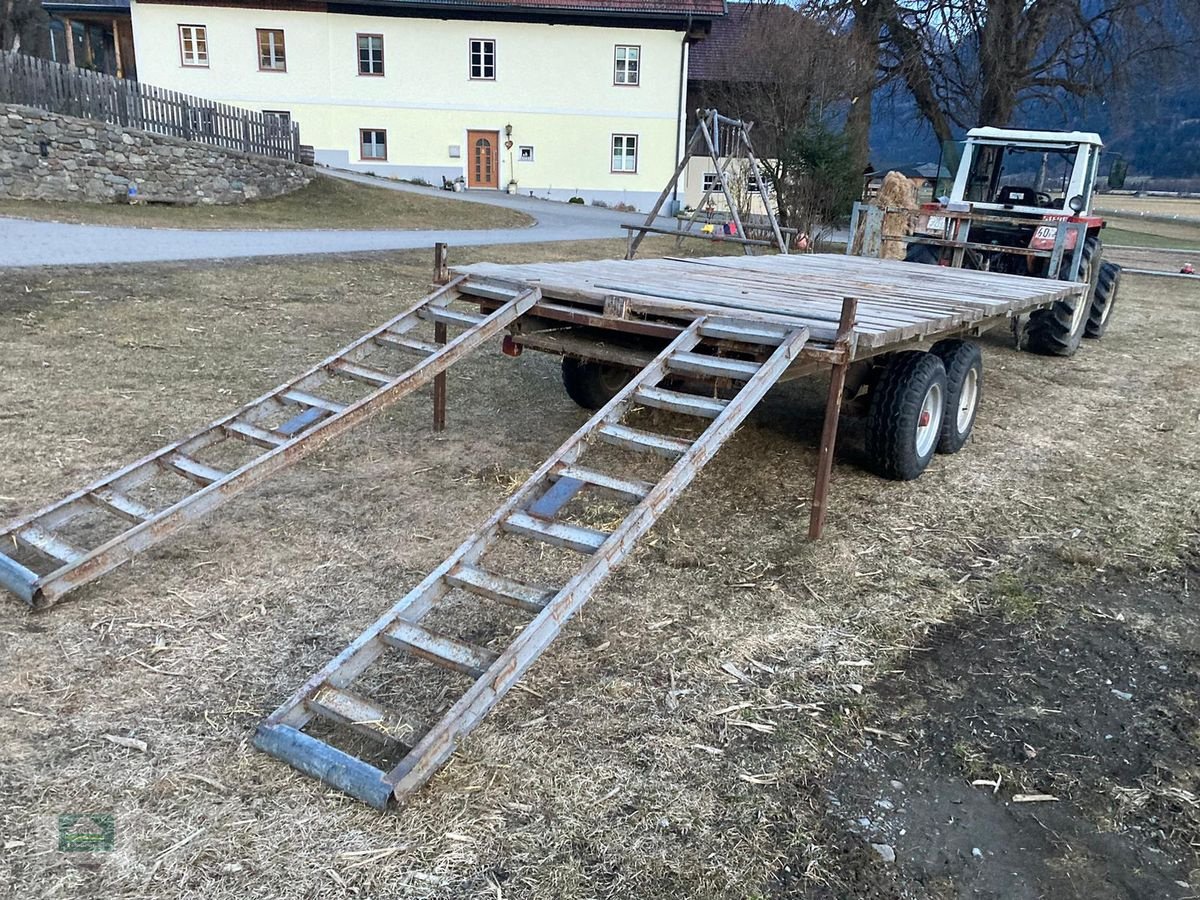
45	156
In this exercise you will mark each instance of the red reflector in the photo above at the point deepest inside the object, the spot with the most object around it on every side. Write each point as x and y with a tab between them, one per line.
925	417
510	347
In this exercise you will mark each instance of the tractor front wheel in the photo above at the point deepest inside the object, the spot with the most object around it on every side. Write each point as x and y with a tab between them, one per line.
1057	331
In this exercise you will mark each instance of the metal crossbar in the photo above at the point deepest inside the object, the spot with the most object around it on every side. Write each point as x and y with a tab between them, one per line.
533	513
40	557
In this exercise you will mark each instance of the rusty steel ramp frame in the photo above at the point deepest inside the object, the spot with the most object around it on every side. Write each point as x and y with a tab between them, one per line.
531	513
317	420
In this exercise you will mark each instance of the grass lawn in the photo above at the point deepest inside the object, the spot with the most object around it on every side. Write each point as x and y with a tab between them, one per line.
1142	233
325	203
736	713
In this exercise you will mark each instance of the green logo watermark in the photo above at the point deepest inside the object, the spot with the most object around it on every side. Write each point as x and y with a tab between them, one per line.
85	832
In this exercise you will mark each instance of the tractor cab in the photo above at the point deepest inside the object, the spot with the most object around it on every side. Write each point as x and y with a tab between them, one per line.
1017	187
1028	173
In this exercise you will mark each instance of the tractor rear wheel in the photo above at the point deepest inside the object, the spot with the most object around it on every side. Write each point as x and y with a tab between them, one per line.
904	421
592	384
1057	331
964	385
1103	299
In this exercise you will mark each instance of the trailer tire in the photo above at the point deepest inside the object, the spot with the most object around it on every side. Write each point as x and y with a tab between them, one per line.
1058	331
964	386
1103	299
592	384
904	419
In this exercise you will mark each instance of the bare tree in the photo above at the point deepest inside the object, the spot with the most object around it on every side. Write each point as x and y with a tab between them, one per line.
24	25
976	62
793	75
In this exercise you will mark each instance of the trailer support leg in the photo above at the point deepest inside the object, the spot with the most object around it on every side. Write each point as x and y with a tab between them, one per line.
441	275
833	410
439	383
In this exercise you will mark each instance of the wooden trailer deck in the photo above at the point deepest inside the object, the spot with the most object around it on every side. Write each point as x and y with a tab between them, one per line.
896	301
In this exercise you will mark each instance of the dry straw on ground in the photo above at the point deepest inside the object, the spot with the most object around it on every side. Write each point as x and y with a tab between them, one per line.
671	743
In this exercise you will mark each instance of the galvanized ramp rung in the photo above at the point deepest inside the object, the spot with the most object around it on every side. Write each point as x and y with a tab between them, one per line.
625	488
642	440
528	597
120	505
573	537
531	512
713	366
678	402
252	434
439	649
366	717
310	421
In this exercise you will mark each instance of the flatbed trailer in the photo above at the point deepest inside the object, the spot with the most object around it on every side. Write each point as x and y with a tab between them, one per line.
736	326
705	339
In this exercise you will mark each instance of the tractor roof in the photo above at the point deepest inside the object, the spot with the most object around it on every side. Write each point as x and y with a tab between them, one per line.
1018	136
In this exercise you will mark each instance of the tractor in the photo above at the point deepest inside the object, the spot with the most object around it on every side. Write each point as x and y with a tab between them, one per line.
1013	191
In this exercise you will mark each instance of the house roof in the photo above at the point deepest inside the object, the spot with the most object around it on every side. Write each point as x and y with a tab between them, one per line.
713	58
118	6
650	9
673	8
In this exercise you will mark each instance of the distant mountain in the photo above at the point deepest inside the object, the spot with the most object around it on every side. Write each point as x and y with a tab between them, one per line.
1151	118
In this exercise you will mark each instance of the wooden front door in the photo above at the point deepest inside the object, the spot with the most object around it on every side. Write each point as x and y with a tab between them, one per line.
483	159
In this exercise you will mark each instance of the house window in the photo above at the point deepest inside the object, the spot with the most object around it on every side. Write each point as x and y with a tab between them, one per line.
626	65
711	182
200	119
271	57
278	122
370	54
483	59
373	143
193	45
624	152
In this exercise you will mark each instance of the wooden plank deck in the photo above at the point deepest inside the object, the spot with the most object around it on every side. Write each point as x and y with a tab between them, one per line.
897	301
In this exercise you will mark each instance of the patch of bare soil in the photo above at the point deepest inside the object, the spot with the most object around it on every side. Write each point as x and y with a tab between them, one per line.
1018	759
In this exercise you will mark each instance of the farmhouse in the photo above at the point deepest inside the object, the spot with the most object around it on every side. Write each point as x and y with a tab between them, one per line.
554	98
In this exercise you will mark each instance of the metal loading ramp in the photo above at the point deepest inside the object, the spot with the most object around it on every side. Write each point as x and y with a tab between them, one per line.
334	706
94	530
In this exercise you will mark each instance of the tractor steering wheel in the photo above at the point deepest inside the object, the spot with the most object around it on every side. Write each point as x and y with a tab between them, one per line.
1044	199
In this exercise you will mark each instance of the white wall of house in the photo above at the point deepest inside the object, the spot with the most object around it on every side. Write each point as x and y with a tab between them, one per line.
701	169
553	85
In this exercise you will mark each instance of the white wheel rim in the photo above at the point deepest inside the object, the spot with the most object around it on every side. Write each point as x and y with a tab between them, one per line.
1083	302
967	398
929	421
1108	305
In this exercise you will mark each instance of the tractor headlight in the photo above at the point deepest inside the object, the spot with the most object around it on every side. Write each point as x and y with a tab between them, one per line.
1076	203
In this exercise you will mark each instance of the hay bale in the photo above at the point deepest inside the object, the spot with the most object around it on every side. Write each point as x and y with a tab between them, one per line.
897	192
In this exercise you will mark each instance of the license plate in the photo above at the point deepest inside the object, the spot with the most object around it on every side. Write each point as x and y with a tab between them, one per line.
937	223
1046	232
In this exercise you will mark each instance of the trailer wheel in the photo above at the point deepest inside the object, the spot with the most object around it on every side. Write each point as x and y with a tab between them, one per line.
964	385
1103	299
1057	331
592	384
904	420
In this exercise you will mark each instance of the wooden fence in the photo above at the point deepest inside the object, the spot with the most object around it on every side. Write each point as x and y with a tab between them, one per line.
42	84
